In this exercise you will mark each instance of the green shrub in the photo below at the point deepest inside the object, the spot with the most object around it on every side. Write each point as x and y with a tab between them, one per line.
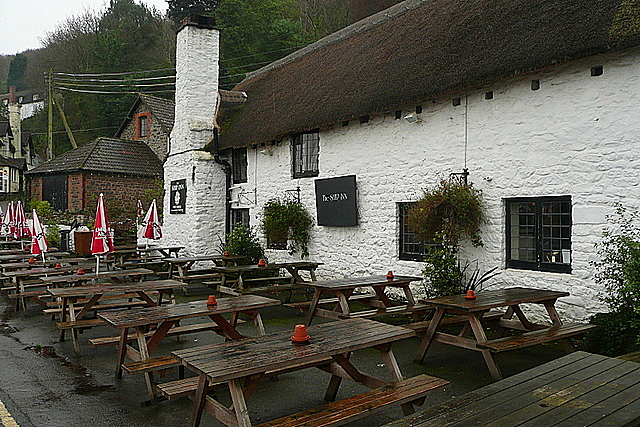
618	272
242	241
53	235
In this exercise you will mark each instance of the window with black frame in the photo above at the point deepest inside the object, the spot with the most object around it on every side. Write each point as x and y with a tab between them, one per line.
240	216
411	247
239	165
539	233
305	150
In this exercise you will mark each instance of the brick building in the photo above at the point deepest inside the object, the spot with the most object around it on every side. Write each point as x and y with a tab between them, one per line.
123	170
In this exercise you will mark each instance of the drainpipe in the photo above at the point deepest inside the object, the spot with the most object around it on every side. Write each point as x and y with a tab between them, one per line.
227	173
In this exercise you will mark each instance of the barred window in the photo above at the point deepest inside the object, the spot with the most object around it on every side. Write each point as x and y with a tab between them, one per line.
305	149
539	233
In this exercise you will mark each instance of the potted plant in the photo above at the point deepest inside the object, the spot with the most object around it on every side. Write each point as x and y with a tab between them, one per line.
444	216
288	222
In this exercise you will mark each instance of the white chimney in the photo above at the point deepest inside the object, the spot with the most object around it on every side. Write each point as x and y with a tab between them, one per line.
14	122
195	185
197	63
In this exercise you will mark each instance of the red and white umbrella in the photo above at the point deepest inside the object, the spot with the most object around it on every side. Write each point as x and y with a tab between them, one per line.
102	239
151	224
39	243
22	226
8	224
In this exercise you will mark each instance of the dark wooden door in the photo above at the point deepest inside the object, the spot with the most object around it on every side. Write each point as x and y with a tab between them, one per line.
54	191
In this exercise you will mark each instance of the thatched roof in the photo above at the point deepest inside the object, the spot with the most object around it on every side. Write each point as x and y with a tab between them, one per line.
105	155
418	50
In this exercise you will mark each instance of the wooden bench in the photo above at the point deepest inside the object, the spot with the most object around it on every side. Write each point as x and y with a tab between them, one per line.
406	393
153	364
175	331
305	304
401	309
536	337
80	324
98	307
28	294
451	320
127	296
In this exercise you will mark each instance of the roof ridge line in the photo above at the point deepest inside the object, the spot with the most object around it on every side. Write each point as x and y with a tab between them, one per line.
347	32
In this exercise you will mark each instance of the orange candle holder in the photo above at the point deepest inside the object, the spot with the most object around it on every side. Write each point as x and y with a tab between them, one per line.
390	275
262	262
470	294
81	271
32	260
58	265
300	334
226	253
212	300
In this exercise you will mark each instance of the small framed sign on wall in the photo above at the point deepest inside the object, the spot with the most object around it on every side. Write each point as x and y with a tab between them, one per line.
336	202
178	193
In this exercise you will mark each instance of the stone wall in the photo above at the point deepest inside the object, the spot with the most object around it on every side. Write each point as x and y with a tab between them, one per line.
158	137
576	135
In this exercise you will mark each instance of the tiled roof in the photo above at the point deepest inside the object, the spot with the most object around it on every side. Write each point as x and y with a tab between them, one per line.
106	155
418	50
15	163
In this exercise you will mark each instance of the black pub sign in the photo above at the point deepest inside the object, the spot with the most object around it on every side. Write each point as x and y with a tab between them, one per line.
178	193
336	201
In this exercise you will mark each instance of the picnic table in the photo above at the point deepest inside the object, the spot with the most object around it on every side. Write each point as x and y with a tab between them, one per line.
118	276
143	254
36	277
342	290
473	335
24	265
70	319
165	319
22	255
578	389
241	365
234	278
179	267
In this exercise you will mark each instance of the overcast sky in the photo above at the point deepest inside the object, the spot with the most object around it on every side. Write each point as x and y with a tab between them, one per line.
24	23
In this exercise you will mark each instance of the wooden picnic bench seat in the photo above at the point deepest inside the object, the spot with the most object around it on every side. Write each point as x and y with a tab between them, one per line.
528	339
401	309
151	364
81	301
174	331
451	320
408	392
305	304
28	294
98	307
82	323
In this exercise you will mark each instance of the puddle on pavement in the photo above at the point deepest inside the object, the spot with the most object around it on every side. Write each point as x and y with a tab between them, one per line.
84	382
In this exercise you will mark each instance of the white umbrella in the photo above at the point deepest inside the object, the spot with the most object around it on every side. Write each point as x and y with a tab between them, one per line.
151	224
39	243
7	221
102	239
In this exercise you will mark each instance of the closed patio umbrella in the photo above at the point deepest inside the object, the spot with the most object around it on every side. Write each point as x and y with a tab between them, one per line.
22	226
151	224
8	226
39	243
102	239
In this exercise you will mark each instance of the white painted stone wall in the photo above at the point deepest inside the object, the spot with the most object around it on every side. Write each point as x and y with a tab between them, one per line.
577	135
201	228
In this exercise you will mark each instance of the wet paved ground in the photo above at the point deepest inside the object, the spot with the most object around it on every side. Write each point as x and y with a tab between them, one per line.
44	383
